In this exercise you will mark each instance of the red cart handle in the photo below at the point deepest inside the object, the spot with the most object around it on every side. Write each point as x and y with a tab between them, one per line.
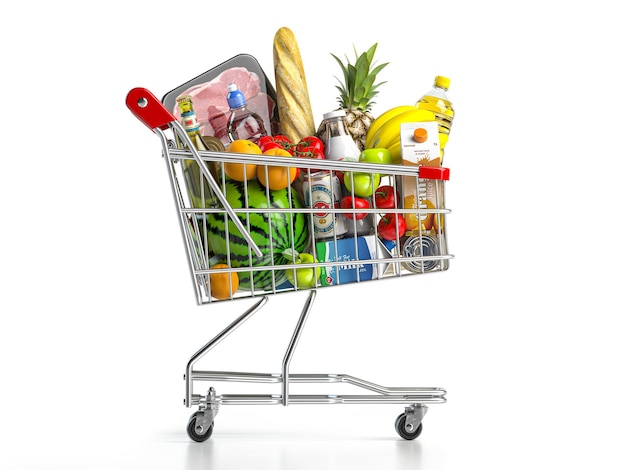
148	109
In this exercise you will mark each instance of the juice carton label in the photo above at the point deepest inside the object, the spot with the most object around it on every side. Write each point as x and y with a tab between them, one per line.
420	143
424	194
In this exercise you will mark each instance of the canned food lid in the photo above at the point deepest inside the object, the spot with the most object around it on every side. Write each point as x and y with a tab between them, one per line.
434	173
213	144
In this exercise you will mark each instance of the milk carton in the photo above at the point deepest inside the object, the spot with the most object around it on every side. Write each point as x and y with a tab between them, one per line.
357	260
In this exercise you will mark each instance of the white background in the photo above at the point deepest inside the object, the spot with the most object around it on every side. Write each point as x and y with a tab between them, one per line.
525	331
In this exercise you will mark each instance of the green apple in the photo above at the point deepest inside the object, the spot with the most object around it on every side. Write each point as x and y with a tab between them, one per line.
305	278
376	155
364	183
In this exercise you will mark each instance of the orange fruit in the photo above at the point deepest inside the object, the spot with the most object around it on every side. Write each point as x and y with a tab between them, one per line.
239	171
223	284
276	177
243	146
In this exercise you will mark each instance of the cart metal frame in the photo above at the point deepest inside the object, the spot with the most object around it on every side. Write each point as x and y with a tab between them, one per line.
148	109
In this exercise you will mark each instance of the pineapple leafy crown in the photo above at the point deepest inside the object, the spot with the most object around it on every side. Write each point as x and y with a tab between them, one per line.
359	80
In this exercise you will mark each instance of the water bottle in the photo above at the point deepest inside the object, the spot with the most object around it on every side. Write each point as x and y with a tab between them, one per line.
243	123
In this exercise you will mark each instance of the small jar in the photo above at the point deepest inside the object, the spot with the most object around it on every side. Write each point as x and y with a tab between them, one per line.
339	144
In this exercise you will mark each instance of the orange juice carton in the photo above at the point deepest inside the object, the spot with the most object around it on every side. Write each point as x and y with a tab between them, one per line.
420	143
421	147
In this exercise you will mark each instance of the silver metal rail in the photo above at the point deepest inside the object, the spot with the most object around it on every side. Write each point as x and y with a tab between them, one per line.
404	395
292	346
189	374
258	399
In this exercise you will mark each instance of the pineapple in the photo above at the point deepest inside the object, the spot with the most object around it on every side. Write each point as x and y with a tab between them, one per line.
356	92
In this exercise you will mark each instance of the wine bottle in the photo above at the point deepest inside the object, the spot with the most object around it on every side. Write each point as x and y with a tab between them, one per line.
200	192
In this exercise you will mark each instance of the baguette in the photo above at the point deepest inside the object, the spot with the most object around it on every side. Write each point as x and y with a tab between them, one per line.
292	94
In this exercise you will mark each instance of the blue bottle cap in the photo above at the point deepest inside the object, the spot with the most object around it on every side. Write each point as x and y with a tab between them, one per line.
235	97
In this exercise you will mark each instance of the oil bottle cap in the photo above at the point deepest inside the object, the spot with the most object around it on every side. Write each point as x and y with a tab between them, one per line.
420	135
442	82
334	114
235	97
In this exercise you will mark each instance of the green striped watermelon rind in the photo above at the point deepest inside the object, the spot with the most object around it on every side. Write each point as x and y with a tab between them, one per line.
287	227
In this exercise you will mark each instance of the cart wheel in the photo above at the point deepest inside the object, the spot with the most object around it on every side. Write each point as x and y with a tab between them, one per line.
401	430
193	433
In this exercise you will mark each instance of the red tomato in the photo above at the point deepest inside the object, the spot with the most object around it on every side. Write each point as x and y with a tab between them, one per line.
350	202
391	226
275	141
282	138
272	145
310	152
385	197
266	139
310	141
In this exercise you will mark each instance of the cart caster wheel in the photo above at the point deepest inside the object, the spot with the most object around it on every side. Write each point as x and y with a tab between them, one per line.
401	429
194	433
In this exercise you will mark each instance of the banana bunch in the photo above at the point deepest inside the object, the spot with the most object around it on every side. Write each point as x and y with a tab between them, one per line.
384	131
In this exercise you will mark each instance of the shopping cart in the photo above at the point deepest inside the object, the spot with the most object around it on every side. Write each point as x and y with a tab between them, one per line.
244	239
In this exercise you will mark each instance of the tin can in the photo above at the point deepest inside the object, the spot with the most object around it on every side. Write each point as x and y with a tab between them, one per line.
421	245
322	191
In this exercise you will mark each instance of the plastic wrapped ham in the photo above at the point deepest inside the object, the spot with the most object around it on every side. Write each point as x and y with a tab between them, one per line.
209	92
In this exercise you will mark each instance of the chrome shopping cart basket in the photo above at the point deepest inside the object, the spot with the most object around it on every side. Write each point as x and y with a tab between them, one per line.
246	239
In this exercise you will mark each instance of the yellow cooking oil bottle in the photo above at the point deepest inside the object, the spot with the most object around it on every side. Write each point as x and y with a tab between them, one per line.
437	101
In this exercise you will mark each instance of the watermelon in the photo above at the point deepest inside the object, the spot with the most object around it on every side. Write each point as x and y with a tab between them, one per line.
288	230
